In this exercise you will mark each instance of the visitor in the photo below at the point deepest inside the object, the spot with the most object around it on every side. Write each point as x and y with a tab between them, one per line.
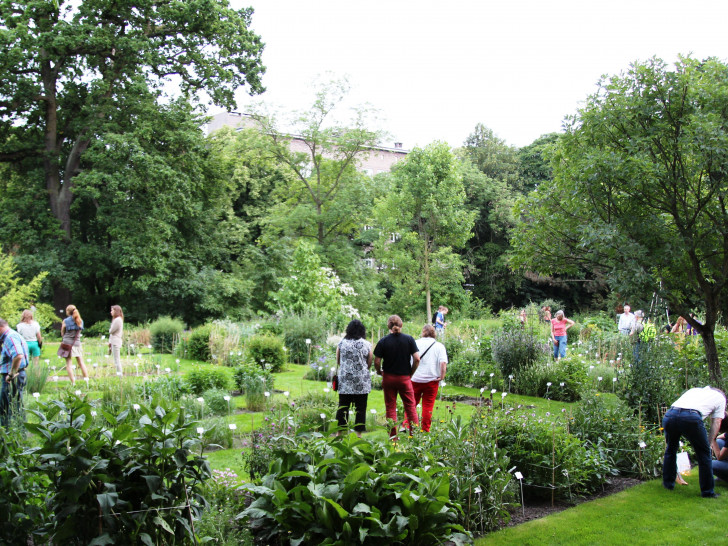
353	360
679	327
559	326
626	321
636	333
71	329
13	362
116	336
523	317
432	368
396	358
440	319
720	464
690	330
685	418
30	330
546	312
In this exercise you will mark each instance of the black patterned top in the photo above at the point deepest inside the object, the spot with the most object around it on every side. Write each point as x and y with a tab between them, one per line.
354	377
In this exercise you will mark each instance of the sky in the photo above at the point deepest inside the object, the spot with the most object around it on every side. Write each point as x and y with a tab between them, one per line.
434	70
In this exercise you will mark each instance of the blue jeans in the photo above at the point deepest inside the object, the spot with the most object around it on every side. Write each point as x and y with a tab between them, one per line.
720	468
689	423
11	397
560	349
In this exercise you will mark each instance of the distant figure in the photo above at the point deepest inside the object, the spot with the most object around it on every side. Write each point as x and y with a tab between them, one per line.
523	317
546	312
689	330
396	358
13	362
440	319
559	326
116	336
71	329
636	333
679	327
626	321
30	330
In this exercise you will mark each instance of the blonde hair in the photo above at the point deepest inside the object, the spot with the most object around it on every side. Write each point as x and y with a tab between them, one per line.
394	323
27	316
117	312
71	311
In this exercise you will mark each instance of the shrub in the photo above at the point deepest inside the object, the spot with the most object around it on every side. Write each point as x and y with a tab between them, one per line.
118	478
516	349
248	377
218	521
166	387
344	491
320	368
563	380
215	401
267	352
217	434
202	378
469	370
198	343
270	329
164	332
98	329
297	329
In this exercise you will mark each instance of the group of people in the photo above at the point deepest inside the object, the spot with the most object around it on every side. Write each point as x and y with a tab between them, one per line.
19	346
411	369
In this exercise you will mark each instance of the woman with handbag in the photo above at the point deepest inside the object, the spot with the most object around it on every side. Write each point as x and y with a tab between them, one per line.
71	343
30	330
353	360
116	336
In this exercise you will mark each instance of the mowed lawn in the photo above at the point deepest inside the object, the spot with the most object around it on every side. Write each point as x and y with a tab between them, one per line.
645	514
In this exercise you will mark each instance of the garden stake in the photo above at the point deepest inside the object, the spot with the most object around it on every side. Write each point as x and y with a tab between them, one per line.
553	463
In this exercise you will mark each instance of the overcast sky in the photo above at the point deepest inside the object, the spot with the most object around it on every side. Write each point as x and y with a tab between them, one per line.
436	69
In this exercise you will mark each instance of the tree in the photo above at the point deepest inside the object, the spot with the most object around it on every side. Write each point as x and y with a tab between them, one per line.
16	296
72	72
423	219
640	188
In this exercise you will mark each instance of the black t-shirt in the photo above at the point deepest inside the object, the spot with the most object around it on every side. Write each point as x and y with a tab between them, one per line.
395	351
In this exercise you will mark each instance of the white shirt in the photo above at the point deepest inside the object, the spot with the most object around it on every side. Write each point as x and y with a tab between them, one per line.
708	401
28	331
429	368
626	321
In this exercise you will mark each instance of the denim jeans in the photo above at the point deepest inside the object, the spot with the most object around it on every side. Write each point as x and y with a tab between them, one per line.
688	423
720	468
560	349
11	397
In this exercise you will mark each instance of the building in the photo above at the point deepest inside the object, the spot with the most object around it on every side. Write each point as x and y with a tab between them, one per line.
379	159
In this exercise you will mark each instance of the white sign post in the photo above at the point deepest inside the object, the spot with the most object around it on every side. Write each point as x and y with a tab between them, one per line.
519	477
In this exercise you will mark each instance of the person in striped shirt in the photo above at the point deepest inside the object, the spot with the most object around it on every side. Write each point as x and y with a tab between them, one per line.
13	362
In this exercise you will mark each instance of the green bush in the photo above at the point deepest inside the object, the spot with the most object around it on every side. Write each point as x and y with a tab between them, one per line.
218	521
267	352
203	378
121	478
215	401
351	490
321	368
563	380
198	343
217	433
37	377
470	370
250	377
270	329
98	329
516	349
166	387
164	332
299	328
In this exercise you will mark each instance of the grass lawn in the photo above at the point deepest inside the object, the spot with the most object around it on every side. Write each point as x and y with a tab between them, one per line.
645	514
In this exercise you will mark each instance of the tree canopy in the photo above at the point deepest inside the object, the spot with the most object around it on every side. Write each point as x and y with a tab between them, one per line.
640	190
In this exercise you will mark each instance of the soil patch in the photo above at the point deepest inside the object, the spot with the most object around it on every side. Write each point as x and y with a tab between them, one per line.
535	509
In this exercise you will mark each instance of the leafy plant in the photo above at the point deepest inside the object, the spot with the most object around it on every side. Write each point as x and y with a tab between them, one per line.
253	381
130	477
299	328
267	352
215	401
37	377
514	350
164	333
202	378
166	387
198	343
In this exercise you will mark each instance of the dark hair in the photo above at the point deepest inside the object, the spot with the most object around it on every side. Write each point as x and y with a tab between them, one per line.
428	330
355	330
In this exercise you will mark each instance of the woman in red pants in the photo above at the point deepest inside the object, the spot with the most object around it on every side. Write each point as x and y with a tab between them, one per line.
432	368
396	358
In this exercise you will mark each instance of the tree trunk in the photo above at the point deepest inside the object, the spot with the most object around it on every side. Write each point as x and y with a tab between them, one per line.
711	354
428	301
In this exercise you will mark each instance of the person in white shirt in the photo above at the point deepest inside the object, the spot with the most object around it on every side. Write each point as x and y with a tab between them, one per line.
427	377
116	336
30	330
685	418
626	321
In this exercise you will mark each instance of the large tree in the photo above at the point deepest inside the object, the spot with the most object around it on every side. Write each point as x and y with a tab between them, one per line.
72	72
423	221
640	188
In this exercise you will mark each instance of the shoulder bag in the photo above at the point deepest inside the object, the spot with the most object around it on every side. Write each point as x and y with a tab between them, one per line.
64	351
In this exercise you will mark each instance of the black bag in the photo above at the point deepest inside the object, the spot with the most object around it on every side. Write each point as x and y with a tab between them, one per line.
434	318
335	382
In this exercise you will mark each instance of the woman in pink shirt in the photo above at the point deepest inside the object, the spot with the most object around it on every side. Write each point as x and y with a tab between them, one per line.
559	326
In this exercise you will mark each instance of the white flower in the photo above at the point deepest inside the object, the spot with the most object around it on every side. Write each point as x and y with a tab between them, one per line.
200	400
286	393
200	431
232	426
36	395
591	367
149	346
492	374
493	391
78	393
308	341
136	407
373	411
599	378
267	394
226	398
167	370
475	372
642	444
323	416
548	384
504	394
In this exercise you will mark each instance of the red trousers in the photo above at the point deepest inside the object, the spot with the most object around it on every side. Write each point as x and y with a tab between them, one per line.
427	392
399	384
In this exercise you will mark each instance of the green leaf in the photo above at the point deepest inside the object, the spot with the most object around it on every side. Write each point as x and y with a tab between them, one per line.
163	524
